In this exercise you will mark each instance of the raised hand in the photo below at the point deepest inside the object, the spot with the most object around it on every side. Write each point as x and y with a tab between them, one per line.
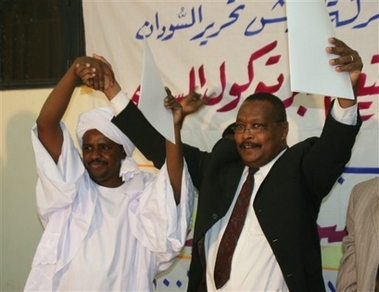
171	103
348	60
95	73
192	103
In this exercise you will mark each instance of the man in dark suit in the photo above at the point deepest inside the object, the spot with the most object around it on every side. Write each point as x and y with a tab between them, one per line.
278	248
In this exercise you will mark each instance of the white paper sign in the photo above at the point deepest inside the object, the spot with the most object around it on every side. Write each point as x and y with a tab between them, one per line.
152	96
309	28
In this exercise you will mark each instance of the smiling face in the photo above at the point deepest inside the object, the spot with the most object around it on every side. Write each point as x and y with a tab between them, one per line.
102	158
259	146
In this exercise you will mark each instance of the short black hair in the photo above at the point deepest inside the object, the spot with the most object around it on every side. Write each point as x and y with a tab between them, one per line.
276	102
229	130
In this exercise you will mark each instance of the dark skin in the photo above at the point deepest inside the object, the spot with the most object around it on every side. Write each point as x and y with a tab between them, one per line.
93	76
97	147
51	135
192	102
102	158
256	150
49	131
344	63
89	74
259	149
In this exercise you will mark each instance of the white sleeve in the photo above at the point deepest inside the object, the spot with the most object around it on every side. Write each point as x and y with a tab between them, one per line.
163	224
346	116
119	102
57	183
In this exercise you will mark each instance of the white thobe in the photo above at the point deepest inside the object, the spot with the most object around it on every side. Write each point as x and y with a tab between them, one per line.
104	239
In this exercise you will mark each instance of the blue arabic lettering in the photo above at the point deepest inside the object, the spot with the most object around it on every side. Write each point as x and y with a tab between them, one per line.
173	28
234	17
263	21
166	32
335	15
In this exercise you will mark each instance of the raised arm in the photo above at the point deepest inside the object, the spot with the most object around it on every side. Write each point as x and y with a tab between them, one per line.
348	61
48	121
148	140
174	152
153	147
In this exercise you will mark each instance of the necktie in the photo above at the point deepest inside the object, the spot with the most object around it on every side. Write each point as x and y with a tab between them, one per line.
233	231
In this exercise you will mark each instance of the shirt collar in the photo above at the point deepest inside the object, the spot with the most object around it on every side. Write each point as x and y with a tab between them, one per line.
265	169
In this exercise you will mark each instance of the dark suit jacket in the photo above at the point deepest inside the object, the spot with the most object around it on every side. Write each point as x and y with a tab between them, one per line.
287	203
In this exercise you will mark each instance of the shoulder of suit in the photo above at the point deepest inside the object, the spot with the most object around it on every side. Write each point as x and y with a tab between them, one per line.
366	188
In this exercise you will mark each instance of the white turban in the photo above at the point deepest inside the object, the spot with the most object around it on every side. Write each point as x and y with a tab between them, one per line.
100	119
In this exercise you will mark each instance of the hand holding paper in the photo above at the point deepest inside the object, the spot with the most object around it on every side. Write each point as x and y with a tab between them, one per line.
347	60
309	28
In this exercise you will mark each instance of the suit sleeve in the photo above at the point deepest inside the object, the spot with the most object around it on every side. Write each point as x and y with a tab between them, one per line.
325	161
149	141
347	273
152	144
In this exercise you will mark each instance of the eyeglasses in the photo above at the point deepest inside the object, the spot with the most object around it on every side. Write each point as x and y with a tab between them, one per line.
254	129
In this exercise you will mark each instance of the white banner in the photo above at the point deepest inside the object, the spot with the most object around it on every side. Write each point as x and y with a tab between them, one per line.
232	49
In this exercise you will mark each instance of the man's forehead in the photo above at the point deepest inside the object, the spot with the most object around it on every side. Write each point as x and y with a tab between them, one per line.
256	107
94	133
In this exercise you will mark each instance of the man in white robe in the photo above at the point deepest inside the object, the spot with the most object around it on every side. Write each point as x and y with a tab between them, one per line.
103	233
